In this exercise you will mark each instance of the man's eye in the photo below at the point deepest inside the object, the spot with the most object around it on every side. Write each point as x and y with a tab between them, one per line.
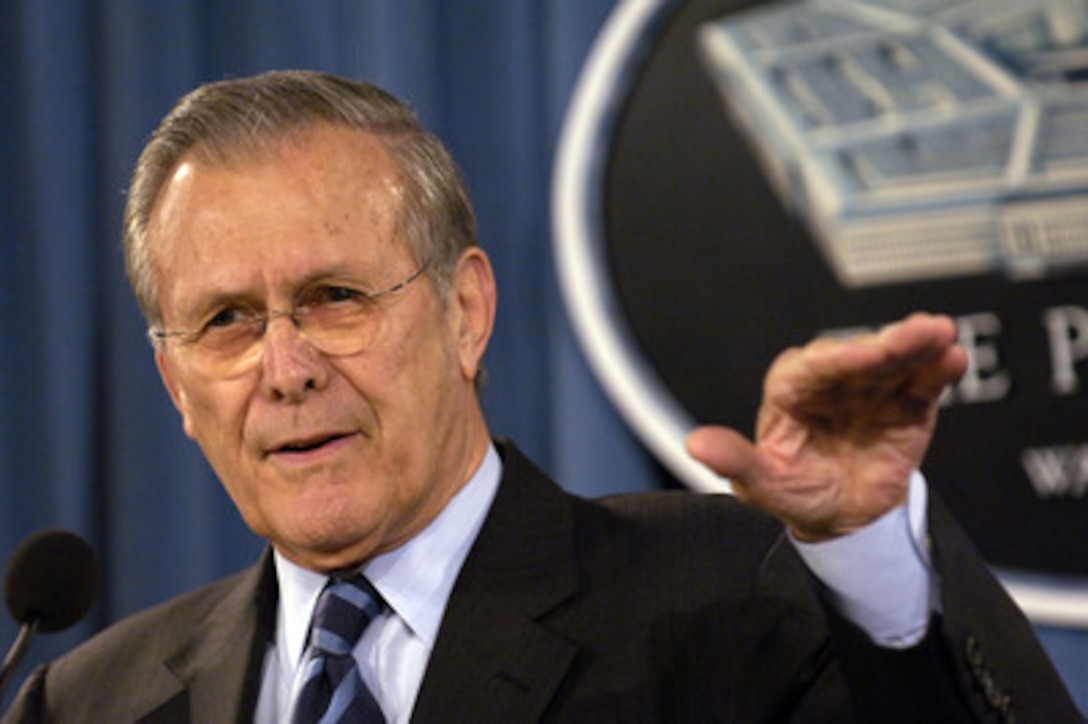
226	318
333	295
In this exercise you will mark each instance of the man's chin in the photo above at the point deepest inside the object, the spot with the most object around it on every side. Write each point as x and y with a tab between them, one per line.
330	550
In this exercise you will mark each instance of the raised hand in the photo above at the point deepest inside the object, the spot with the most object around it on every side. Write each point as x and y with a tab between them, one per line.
842	425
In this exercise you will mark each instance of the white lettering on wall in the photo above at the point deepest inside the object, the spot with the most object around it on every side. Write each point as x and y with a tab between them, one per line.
1057	471
1067	331
985	380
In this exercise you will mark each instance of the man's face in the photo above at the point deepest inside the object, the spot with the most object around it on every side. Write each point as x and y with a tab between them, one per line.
332	458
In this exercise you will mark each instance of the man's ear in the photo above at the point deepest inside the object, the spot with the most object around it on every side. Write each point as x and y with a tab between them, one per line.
177	395
473	295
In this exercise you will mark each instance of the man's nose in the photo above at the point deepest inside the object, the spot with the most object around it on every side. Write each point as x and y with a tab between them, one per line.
292	365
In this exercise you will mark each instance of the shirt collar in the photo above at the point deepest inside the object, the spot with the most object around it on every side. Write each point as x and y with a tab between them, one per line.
415	579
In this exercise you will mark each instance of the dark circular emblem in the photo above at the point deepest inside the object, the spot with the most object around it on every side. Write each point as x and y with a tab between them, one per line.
735	178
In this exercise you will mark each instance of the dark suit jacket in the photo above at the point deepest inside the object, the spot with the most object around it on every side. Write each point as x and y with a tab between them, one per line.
657	607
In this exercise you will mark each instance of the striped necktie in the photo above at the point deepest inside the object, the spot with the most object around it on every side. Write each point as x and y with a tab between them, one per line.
333	690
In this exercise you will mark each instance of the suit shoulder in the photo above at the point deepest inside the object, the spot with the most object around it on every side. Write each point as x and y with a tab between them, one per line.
164	621
682	535
133	649
671	535
144	662
686	514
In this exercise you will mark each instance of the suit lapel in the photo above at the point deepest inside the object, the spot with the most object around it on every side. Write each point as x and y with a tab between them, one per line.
493	659
218	671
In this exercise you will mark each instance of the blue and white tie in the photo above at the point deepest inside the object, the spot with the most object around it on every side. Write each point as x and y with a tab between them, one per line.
332	689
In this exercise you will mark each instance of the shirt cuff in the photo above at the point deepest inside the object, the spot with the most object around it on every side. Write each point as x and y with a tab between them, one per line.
880	577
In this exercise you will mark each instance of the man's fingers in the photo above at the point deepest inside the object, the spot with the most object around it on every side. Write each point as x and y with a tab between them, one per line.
922	347
919	337
725	451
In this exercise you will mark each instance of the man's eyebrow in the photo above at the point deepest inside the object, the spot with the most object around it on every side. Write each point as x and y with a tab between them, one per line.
370	276
216	298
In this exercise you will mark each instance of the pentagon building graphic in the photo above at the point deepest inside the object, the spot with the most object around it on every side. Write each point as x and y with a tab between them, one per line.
918	139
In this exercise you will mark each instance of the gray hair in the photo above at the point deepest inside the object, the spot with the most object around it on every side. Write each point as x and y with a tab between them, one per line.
243	119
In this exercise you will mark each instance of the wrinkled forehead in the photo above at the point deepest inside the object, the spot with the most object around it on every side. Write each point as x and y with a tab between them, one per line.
340	170
320	198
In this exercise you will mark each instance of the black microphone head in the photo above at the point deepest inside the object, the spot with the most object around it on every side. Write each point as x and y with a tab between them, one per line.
52	577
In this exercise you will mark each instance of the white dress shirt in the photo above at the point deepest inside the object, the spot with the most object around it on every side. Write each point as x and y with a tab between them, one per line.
415	580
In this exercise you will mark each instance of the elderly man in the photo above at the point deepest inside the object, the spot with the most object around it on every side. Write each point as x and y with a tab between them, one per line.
306	257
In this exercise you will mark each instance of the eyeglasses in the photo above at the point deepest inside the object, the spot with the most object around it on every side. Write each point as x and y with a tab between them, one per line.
337	319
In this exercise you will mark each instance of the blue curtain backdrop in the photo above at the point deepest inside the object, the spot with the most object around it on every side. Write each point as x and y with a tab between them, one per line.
88	439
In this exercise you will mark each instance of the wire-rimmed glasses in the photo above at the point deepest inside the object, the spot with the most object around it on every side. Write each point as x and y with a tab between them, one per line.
337	319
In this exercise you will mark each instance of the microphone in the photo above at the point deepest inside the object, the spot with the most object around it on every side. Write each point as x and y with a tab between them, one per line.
51	582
